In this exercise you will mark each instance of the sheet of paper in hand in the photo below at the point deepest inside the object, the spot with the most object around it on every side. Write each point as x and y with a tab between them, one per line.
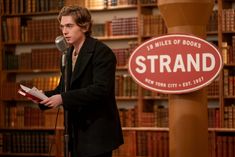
32	93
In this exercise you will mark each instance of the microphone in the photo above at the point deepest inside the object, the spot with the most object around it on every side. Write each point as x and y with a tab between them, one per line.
61	44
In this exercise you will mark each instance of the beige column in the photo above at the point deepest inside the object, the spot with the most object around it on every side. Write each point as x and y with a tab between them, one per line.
188	120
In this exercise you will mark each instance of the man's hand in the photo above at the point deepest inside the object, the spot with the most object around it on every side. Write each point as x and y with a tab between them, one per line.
53	101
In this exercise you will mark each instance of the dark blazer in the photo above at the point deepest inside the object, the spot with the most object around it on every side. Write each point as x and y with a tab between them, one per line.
93	120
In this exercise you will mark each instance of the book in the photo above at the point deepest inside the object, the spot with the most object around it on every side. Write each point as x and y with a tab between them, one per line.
32	93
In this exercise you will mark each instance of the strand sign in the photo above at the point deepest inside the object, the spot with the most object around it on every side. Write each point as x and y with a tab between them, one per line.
175	64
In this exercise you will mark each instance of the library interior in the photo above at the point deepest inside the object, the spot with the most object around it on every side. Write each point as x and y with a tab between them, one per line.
200	123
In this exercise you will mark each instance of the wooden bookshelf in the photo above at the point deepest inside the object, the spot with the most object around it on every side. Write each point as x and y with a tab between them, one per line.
24	129
144	114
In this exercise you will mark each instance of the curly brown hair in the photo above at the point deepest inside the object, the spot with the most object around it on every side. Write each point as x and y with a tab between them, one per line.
81	16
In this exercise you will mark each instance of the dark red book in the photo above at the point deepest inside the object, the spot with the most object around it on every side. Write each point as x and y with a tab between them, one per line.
32	93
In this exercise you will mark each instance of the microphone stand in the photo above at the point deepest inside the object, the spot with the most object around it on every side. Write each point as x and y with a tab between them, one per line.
66	132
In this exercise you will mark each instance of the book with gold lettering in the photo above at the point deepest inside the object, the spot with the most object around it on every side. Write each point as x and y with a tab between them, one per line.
32	93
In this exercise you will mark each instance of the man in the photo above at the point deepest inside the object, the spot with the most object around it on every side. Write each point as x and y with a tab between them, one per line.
93	119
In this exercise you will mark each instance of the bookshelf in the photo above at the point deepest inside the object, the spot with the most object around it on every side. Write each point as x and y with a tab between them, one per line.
227	35
28	56
144	114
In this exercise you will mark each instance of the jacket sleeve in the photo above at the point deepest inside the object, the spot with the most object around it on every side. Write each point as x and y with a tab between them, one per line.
57	90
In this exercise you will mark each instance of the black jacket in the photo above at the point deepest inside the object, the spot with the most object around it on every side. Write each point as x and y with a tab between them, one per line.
93	120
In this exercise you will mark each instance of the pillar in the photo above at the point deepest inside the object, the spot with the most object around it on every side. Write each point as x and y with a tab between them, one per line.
188	119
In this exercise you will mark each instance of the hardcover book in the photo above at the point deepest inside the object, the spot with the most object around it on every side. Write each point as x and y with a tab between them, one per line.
32	93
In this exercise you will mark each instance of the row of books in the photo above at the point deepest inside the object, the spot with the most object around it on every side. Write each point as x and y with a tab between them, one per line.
144	143
213	117
158	117
228	20
148	1
229	82
225	146
156	143
212	25
16	29
30	6
25	114
149	144
137	143
228	52
99	30
125	86
47	58
229	116
212	90
26	142
128	117
116	27
152	25
42	29
9	89
120	2
122	55
128	149
124	26
11	29
46	29
155	115
106	4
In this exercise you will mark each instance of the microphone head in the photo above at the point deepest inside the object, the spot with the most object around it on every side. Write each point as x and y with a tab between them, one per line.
61	43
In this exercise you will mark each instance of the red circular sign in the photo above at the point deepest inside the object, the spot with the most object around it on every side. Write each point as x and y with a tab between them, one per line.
175	63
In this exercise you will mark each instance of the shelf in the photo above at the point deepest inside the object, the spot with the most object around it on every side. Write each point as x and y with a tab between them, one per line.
110	8
152	5
28	129
31	14
123	128
154	35
229	97
213	97
122	67
212	33
155	98
145	128
126	37
222	129
229	65
31	71
144	104
126	98
28	43
230	32
25	154
167	129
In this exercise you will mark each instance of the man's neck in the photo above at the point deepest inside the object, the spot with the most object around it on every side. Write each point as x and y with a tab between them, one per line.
78	45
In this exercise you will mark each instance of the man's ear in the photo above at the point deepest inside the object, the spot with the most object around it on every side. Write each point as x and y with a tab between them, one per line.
84	30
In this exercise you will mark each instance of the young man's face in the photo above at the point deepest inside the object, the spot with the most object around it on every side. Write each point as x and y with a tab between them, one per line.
71	31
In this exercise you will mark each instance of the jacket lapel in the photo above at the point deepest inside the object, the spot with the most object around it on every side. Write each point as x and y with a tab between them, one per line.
83	58
69	66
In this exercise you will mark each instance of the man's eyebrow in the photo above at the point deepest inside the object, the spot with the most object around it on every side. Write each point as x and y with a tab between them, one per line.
68	24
